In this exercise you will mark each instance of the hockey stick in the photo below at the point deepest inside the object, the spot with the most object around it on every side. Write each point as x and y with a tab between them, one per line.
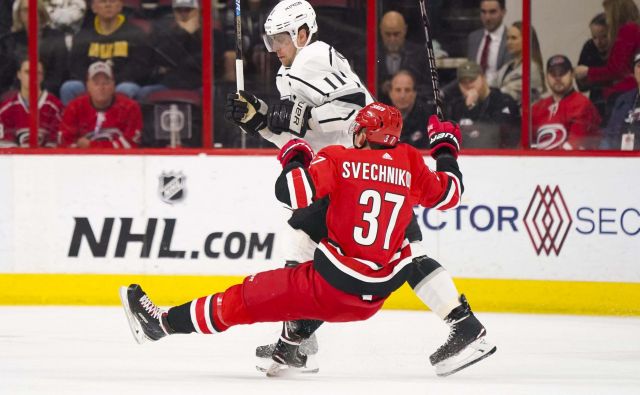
435	81
239	68
239	64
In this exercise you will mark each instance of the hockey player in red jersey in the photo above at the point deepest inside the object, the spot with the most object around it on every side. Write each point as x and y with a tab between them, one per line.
372	189
320	98
102	118
15	117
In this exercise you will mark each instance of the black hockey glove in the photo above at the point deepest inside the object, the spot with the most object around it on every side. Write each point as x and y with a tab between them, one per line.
290	117
246	111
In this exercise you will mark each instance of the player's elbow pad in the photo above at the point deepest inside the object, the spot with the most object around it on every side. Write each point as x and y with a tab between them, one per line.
294	187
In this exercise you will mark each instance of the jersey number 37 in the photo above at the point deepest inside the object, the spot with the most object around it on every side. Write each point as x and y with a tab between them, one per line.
372	199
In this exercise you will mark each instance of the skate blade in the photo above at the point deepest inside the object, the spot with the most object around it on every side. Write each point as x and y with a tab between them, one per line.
474	352
134	325
275	369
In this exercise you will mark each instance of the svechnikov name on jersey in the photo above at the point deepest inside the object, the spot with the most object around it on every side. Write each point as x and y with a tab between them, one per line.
376	172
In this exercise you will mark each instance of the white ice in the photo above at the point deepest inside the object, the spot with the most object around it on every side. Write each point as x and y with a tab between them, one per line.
89	350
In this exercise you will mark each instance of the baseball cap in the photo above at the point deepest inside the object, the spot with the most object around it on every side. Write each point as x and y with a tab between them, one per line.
100	67
185	4
469	70
559	64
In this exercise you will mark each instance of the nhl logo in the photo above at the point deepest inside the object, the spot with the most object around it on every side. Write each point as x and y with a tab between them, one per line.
172	187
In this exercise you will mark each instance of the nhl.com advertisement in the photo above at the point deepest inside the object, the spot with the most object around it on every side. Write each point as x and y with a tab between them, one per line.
520	217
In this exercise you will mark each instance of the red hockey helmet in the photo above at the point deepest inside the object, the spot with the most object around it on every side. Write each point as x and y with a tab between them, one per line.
383	124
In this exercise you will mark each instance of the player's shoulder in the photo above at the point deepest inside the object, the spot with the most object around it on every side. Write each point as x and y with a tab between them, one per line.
312	57
332	151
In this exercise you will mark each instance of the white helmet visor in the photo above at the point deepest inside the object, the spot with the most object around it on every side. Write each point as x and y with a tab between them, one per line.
277	41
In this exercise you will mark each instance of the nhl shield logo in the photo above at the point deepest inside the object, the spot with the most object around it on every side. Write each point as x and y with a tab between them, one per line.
172	187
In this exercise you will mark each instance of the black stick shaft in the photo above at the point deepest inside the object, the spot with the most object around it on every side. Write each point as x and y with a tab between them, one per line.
435	80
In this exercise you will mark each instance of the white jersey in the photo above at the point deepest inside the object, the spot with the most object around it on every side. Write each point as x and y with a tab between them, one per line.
322	78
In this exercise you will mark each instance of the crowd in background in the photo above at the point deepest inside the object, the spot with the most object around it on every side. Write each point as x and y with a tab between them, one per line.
128	73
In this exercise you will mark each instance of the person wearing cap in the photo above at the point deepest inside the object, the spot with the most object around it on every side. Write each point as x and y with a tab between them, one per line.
623	128
15	115
177	50
488	117
566	120
111	37
102	118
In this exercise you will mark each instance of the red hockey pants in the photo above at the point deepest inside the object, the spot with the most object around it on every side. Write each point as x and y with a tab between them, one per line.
290	294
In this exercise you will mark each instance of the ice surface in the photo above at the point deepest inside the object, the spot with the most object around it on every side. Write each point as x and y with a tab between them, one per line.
90	350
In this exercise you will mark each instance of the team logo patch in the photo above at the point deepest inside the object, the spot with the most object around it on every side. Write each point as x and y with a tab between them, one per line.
172	187
551	136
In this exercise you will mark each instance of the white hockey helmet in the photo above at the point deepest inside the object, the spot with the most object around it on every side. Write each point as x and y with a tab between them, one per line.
288	16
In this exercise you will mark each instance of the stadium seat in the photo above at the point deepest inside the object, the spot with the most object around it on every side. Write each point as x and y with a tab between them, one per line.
160	109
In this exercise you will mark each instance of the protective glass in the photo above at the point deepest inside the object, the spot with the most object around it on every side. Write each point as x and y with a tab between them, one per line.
276	41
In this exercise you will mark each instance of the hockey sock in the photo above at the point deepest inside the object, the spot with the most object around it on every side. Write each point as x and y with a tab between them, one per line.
434	286
199	315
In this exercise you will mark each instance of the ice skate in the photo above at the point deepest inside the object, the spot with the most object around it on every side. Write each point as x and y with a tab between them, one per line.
288	354
466	343
146	320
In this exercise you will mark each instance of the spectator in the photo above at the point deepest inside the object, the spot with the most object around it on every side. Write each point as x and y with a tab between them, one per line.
397	54
623	20
594	54
488	46
52	51
15	118
102	118
415	116
178	50
111	37
623	129
509	79
67	16
566	120
488	118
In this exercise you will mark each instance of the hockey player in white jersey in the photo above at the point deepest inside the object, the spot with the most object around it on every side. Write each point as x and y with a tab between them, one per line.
320	97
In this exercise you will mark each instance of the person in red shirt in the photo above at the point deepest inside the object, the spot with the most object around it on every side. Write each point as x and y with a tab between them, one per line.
623	22
372	189
15	117
565	120
102	118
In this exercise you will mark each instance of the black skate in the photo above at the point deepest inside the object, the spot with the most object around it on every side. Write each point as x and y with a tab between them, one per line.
466	343
287	355
146	320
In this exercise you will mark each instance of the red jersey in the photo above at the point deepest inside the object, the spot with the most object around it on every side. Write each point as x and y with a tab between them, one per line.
571	123
119	126
372	194
14	120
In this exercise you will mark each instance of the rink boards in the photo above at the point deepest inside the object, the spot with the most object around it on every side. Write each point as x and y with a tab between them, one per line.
533	234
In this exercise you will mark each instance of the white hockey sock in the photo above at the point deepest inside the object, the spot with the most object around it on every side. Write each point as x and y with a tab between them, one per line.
438	292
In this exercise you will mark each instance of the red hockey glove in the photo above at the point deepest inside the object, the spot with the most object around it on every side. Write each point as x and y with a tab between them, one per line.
443	137
296	150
